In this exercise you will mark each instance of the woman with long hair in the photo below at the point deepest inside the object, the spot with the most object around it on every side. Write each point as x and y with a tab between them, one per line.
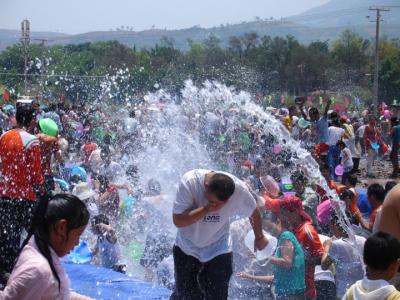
56	227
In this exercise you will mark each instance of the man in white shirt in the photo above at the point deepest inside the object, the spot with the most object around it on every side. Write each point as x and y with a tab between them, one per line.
205	205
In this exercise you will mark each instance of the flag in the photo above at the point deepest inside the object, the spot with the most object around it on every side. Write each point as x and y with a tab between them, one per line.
6	95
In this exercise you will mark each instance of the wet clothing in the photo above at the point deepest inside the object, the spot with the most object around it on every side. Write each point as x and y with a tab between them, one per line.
21	167
203	250
109	252
372	218
312	247
16	214
195	280
295	275
346	257
210	236
320	128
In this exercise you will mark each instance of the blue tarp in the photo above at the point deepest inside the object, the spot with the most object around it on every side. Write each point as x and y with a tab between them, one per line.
101	283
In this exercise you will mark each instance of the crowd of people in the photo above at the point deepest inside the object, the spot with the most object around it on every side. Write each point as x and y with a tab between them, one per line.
65	166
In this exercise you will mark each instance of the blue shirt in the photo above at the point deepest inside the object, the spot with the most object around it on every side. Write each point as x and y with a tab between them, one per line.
396	136
291	281
321	129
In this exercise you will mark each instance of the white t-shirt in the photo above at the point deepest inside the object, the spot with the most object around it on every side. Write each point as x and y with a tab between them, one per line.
347	262
334	135
360	131
210	236
348	164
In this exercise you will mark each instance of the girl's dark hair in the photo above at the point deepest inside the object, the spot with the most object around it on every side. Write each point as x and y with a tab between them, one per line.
50	210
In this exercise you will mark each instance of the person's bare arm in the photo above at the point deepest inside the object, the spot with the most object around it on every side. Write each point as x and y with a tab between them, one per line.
245	275
190	217
287	252
327	106
390	218
326	260
260	241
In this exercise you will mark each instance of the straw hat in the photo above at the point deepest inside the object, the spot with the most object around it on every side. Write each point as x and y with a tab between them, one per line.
82	191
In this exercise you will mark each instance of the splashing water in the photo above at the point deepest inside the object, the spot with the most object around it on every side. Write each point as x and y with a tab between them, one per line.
181	136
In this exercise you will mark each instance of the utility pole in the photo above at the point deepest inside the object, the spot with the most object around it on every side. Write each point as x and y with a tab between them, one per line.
25	39
376	73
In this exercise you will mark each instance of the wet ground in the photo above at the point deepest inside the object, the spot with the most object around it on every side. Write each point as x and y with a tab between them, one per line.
382	169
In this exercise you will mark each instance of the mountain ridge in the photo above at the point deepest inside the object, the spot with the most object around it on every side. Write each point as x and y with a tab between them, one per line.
324	22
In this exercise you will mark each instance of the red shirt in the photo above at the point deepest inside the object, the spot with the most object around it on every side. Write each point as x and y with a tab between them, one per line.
371	134
87	149
373	217
20	165
312	247
48	149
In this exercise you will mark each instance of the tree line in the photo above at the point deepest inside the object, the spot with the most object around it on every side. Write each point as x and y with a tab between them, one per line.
264	65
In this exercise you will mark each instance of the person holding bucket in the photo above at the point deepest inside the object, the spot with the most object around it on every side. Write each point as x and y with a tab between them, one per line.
372	137
288	262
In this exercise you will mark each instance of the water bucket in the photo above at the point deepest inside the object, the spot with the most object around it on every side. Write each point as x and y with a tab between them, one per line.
299	100
375	146
64	186
81	254
270	185
277	149
267	252
339	170
303	123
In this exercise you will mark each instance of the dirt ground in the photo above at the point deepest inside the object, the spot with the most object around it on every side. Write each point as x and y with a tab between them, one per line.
382	169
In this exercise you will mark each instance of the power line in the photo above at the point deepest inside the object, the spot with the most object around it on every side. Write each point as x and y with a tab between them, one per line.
53	75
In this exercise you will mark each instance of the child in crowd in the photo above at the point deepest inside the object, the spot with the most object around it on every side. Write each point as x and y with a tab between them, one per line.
346	160
376	195
107	245
38	273
351	183
341	252
388	187
382	258
108	201
288	262
355	218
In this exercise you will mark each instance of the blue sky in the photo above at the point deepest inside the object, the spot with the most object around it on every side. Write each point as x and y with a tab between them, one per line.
77	16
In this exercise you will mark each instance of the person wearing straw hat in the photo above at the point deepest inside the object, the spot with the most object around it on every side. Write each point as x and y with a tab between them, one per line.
87	195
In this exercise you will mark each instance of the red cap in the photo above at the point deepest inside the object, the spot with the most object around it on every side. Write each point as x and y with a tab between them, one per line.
294	204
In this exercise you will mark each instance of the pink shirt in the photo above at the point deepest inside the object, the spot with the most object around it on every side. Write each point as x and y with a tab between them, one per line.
32	278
